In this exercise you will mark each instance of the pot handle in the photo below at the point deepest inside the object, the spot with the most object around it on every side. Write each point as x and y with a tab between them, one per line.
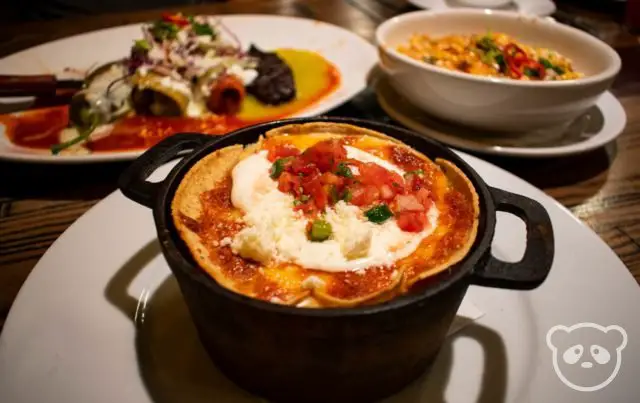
534	266
133	181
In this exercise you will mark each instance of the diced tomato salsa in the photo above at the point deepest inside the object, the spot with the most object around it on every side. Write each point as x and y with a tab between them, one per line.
322	175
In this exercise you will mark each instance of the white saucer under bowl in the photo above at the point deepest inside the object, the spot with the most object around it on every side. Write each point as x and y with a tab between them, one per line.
540	8
597	127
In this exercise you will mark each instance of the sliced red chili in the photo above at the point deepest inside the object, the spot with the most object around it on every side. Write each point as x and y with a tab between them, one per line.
515	57
177	19
513	51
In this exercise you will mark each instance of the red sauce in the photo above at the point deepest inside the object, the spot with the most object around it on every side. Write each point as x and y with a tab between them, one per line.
37	128
40	128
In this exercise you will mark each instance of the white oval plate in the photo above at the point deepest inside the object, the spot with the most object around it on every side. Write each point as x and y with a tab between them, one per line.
541	8
352	55
597	127
100	319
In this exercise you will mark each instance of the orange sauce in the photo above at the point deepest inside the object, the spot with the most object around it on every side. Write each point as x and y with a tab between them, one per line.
40	128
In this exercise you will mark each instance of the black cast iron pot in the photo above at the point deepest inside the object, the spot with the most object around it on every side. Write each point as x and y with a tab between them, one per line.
289	354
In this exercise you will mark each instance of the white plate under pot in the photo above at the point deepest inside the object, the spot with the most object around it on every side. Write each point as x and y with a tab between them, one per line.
101	319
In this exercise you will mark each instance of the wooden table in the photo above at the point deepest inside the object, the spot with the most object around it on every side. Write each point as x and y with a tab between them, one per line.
602	188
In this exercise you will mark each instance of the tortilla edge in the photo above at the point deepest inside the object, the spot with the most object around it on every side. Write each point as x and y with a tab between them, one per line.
200	253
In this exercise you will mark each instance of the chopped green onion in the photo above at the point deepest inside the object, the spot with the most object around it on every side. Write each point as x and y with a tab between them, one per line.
278	167
486	43
548	65
378	214
500	61
162	30
320	231
545	62
141	44
489	56
343	170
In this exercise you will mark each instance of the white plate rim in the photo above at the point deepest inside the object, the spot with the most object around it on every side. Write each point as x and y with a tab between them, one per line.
544	7
22	303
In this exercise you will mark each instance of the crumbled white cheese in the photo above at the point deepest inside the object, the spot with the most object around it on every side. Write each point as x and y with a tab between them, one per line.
274	231
194	109
205	63
204	39
176	85
250	244
351	231
182	36
156	53
246	75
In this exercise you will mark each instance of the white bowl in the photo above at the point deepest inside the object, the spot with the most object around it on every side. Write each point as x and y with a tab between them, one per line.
499	104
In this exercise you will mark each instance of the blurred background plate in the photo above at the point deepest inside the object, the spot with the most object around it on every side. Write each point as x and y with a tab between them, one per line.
352	55
541	8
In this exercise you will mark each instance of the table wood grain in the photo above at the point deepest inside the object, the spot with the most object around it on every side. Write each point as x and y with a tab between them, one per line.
602	187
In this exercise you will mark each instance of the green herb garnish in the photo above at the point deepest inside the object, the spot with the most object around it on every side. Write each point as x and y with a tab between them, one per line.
142	45
486	43
278	167
533	73
320	231
202	29
343	170
545	62
91	119
500	61
378	214
489	57
548	65
162	30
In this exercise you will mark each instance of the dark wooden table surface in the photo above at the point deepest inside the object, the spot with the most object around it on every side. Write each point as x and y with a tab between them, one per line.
602	188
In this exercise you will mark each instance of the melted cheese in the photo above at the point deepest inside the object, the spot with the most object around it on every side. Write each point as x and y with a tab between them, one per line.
274	231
